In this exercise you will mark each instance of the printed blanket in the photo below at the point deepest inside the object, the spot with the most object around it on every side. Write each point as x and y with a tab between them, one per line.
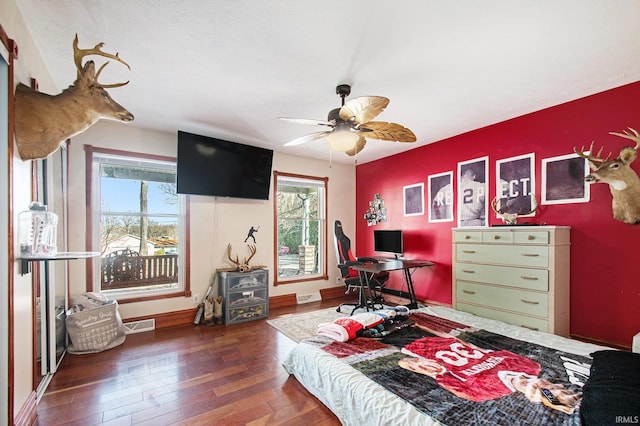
462	375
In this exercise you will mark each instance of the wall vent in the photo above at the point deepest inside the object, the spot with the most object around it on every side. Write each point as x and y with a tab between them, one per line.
139	326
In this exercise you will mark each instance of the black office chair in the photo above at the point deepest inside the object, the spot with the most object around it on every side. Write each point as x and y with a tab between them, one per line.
351	277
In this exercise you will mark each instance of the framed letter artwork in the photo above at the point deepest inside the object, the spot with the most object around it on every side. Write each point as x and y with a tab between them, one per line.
441	197
414	199
472	191
515	182
563	180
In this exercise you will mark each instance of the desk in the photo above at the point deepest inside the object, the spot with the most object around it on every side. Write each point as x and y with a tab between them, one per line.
369	269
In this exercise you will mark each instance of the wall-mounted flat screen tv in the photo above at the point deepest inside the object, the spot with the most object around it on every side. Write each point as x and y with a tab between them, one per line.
388	241
215	167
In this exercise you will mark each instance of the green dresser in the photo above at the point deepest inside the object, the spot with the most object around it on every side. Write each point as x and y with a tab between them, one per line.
519	275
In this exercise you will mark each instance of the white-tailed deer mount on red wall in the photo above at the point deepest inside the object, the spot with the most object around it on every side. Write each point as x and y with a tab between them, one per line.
43	122
622	179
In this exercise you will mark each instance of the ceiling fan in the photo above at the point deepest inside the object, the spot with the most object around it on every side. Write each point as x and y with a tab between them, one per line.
350	124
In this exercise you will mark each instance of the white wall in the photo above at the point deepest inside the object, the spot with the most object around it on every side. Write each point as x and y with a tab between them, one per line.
215	222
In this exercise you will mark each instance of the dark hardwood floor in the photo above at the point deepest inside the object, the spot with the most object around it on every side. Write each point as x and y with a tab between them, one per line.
188	375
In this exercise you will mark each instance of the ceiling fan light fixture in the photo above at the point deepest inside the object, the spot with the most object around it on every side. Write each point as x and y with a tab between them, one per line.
342	139
351	124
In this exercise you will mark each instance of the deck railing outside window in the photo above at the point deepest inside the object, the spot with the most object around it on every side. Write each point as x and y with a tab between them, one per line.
126	272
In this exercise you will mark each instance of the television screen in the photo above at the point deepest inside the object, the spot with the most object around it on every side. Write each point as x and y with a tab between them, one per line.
388	241
209	166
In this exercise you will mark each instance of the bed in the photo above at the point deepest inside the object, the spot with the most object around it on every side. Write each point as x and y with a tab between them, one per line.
371	381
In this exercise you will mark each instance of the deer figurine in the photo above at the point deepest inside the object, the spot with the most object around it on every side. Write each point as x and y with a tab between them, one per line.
622	179
43	122
512	218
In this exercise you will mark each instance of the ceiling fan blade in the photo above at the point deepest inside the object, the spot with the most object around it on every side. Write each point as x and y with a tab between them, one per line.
361	110
359	146
308	138
308	121
388	132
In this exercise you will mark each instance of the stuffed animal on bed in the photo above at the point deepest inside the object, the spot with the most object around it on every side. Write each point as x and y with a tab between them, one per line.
366	324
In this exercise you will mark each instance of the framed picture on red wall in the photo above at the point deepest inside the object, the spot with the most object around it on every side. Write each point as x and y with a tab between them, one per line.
563	180
515	182
414	199
472	191
441	197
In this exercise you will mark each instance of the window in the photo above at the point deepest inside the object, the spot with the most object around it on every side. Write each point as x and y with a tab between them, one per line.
301	228
137	223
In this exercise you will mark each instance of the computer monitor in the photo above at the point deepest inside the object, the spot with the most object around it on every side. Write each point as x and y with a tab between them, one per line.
388	241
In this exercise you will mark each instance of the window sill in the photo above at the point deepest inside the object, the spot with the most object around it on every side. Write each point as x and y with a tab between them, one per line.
301	279
143	297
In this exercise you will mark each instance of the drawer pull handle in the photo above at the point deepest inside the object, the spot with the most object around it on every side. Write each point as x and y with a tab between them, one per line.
469	251
531	237
469	271
524	277
530	254
467	237
468	291
529	302
530	328
496	237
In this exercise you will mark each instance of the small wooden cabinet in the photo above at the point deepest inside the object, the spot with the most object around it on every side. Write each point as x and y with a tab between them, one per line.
245	295
519	275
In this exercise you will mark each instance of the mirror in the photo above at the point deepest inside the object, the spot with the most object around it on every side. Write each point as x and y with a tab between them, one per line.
51	284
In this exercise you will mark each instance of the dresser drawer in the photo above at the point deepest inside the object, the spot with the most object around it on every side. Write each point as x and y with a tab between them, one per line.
531	279
521	301
467	236
497	237
244	281
247	297
536	324
246	313
534	237
504	254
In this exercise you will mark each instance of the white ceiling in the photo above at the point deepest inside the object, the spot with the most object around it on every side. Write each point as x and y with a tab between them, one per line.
228	69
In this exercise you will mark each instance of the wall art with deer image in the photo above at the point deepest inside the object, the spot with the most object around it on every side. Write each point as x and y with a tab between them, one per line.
618	174
43	122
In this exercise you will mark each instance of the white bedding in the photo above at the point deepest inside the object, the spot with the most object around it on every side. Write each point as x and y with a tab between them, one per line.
357	400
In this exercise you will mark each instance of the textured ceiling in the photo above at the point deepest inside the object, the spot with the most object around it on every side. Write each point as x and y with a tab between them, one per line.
228	69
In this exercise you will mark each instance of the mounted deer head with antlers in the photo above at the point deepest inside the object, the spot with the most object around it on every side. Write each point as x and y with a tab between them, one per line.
618	174
43	122
501	210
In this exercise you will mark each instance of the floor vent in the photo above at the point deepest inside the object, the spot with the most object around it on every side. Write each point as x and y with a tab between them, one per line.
306	298
139	326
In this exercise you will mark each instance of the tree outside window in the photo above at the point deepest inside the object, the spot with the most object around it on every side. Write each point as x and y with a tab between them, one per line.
138	223
300	227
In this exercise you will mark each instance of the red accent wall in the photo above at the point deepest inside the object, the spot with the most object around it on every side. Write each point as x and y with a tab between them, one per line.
605	255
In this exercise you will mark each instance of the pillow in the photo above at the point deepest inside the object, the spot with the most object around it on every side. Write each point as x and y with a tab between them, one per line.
611	395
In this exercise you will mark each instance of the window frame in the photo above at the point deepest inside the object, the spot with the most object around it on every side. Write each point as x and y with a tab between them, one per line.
90	242
322	274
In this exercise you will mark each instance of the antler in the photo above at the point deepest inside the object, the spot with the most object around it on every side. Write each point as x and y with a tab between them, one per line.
512	218
79	54
631	134
235	262
253	250
596	159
